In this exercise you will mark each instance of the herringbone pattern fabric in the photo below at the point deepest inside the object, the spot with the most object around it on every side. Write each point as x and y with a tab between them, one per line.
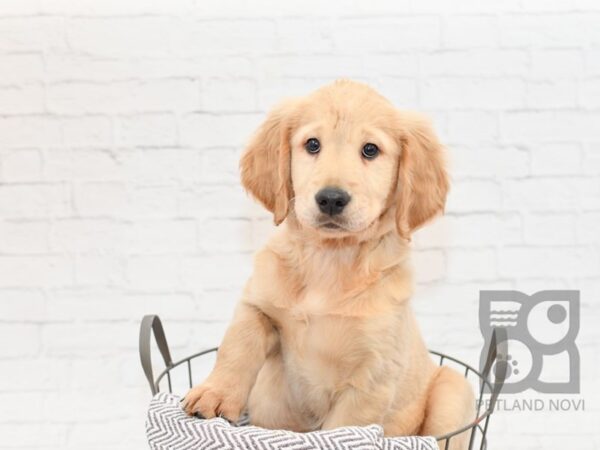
168	427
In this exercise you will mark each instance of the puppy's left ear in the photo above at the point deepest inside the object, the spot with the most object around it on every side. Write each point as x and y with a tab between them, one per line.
265	165
422	179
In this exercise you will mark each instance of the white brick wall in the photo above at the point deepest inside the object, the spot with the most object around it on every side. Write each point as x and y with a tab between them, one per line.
121	125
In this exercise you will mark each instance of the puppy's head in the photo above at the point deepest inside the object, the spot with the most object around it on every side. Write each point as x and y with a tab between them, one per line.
343	161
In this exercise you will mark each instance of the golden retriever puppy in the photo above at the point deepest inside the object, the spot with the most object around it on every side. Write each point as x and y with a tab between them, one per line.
324	335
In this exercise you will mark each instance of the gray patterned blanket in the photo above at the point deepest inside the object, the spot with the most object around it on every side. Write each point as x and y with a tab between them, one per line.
168	427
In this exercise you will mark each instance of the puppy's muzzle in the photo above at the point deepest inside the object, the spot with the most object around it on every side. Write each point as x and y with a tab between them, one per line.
332	200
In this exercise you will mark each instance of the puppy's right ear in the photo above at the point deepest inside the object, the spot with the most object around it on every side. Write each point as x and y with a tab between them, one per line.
265	165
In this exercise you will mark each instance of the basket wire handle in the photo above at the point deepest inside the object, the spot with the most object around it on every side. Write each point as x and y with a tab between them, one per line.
151	323
498	349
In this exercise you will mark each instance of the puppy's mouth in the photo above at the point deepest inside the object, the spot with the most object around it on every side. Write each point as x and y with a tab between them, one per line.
340	226
331	226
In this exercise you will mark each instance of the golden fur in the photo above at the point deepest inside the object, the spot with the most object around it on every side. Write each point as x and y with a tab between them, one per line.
324	335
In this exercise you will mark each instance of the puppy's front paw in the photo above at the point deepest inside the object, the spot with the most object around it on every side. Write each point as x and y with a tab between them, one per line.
211	400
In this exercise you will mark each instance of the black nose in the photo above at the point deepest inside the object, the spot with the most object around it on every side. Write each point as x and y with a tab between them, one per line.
332	200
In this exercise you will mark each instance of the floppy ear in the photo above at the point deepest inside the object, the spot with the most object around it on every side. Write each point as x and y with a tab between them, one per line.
422	178
265	165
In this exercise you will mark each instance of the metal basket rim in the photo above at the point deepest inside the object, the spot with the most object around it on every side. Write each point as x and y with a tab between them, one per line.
475	424
498	346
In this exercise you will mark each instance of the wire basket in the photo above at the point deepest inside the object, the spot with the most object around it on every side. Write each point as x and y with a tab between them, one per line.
477	429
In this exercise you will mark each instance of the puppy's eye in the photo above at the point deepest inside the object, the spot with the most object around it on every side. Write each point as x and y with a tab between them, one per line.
370	151
312	145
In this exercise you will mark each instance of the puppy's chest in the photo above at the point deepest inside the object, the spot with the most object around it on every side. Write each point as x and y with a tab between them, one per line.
316	337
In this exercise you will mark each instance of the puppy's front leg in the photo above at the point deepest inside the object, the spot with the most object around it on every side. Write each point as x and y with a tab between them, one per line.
372	406
248	340
355	406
